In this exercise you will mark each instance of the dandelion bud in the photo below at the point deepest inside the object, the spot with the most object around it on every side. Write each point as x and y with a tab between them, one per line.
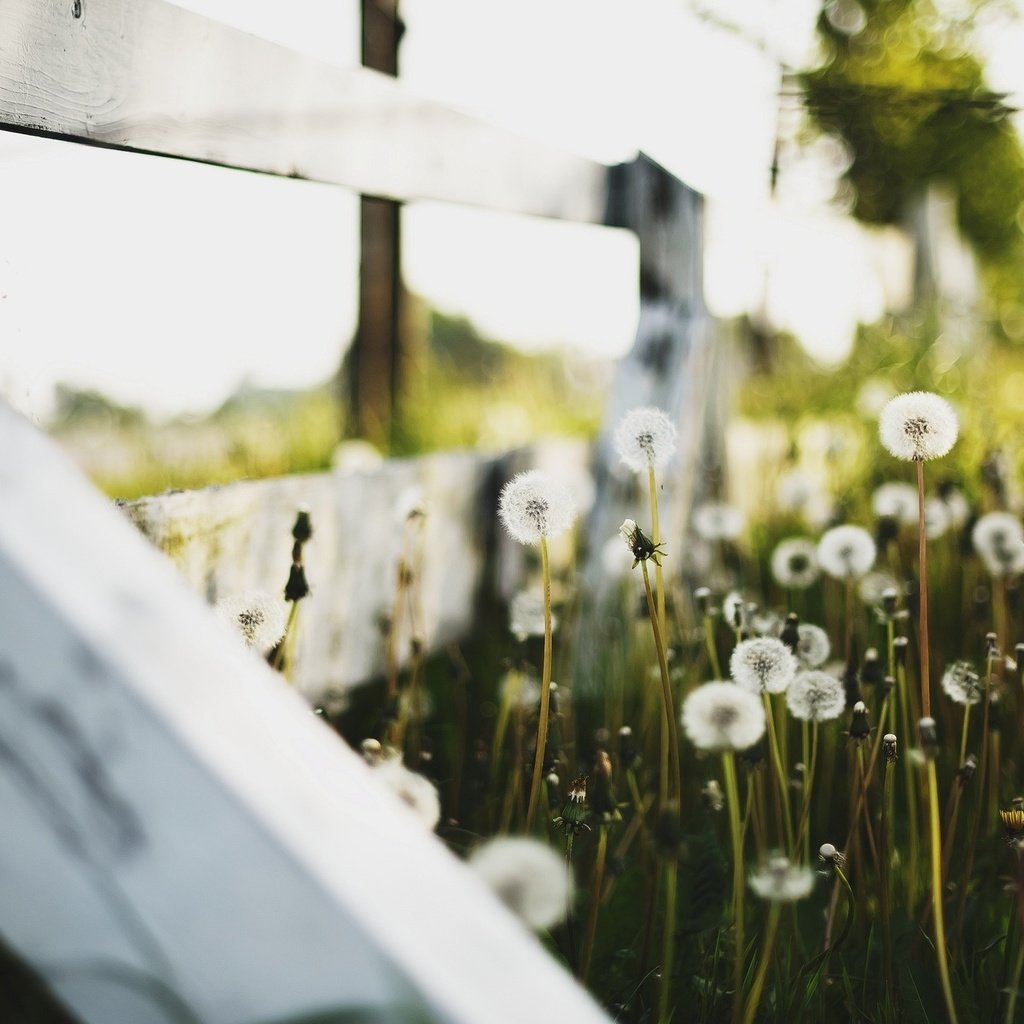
372	750
640	545
889	599
830	857
573	819
302	531
929	738
871	669
296	588
991	645
790	634
553	780
889	684
1013	822
899	650
1018	652
859	728
966	770
702	596
889	747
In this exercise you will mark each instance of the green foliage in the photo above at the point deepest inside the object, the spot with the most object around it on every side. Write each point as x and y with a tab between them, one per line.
913	108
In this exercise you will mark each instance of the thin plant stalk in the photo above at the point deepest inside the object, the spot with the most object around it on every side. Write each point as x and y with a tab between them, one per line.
767	949
922	559
886	881
596	885
545	692
936	881
709	642
804	826
780	774
659	580
963	734
671	868
738	878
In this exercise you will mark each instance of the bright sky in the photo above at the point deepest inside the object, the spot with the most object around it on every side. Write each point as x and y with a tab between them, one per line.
166	284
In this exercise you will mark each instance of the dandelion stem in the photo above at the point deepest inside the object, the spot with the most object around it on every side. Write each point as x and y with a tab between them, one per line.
922	558
771	931
668	941
738	881
545	692
780	774
283	657
963	734
886	880
709	642
670	776
804	826
659	580
596	884
936	877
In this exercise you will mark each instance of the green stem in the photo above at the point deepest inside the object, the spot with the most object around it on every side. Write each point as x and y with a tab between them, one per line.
709	642
771	930
886	839
656	539
963	735
804	827
596	883
668	942
670	776
936	878
780	774
738	879
922	558
545	694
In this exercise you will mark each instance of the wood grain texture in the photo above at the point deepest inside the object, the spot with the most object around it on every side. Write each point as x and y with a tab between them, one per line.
146	75
184	839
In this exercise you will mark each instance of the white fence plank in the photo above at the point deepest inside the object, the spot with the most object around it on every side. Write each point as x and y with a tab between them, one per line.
177	821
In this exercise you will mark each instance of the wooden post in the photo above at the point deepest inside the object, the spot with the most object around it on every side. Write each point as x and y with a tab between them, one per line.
375	359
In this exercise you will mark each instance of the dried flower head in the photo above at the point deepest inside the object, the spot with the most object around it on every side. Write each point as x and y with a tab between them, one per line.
918	425
812	647
815	697
257	617
723	716
415	791
795	563
640	545
962	684
532	506
763	664
715	520
999	538
846	551
782	882
897	501
645	438
527	876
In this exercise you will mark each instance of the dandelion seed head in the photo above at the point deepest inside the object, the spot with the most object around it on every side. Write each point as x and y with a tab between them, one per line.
763	664
715	520
734	609
780	881
257	617
414	790
527	876
533	506
645	438
723	716
795	563
872	586
895	500
918	425
962	684
815	697
999	538
846	551
813	646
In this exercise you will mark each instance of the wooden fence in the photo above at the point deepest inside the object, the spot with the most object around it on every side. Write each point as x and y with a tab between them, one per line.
154	779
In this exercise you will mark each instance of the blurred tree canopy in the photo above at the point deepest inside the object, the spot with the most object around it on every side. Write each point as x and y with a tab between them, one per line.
900	87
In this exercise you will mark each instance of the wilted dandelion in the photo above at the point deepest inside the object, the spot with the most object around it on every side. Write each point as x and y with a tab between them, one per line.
999	538
846	552
257	617
897	501
795	563
813	646
527	876
717	521
533	507
645	438
762	665
723	716
414	790
782	882
917	426
815	697
961	684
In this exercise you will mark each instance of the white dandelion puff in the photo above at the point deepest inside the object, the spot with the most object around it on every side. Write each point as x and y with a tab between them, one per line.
533	506
937	518
782	882
895	500
873	586
645	438
812	646
846	551
815	697
918	425
734	610
714	520
962	684
414	790
999	538
794	490
257	617
762	664
723	716
527	876
795	563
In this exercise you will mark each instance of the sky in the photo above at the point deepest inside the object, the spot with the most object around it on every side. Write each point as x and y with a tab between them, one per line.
167	284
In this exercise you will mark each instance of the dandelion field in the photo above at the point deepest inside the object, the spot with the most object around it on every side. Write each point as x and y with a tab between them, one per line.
789	786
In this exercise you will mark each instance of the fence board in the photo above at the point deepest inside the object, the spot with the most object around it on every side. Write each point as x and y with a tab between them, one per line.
190	839
148	76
